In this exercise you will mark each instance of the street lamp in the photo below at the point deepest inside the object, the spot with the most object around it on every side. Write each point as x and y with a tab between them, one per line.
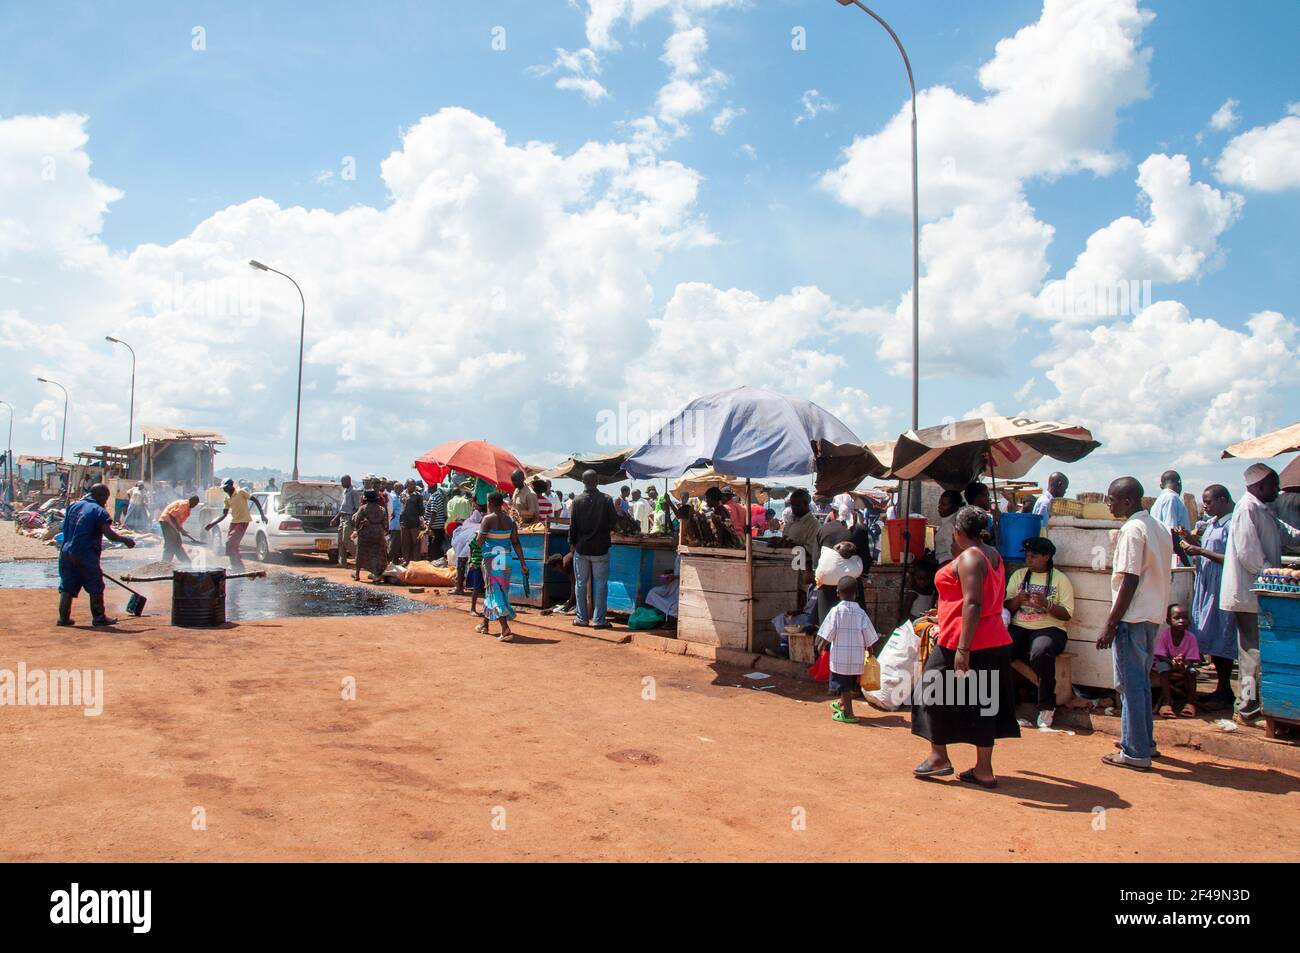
916	216
9	454
63	435
302	332
912	502
130	427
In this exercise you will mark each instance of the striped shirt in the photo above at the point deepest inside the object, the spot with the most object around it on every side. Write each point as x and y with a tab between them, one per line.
545	507
435	506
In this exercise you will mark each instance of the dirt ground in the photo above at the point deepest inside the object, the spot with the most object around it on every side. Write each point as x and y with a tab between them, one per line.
458	747
17	546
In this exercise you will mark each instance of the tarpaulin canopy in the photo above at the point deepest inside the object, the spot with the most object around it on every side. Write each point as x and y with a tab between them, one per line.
745	432
476	457
1269	445
842	467
956	453
608	467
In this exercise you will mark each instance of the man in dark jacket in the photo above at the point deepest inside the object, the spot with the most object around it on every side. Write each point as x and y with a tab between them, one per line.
591	519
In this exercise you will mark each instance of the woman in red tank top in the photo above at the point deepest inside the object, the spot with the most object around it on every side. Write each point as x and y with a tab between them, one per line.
965	695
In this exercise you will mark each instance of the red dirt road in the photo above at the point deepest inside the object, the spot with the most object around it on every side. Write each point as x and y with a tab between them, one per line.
458	747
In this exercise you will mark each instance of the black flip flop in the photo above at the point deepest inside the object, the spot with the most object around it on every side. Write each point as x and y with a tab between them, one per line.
932	772
969	778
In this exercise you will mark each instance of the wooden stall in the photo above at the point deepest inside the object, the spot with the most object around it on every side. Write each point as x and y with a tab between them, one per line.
635	562
720	604
539	545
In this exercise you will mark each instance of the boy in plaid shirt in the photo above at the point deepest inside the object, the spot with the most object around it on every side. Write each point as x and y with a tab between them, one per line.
848	631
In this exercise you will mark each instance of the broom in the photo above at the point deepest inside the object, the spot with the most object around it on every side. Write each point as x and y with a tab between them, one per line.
134	605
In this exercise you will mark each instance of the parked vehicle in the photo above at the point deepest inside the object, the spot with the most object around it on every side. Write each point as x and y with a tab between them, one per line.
301	517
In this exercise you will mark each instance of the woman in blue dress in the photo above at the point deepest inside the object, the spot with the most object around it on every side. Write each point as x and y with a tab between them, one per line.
497	535
1216	630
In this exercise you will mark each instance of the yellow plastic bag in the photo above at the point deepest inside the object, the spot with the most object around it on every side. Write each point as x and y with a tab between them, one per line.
870	680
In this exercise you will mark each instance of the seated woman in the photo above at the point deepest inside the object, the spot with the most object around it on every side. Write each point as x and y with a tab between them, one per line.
1040	599
972	639
664	596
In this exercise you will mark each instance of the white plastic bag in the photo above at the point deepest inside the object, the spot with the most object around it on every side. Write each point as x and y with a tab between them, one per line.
900	667
832	567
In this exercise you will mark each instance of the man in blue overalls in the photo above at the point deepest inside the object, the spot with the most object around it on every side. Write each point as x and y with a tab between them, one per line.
85	524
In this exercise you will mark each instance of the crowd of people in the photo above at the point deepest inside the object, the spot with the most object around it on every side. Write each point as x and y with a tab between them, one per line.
985	617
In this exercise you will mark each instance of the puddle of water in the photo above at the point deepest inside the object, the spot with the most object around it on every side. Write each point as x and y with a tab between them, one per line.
280	595
285	594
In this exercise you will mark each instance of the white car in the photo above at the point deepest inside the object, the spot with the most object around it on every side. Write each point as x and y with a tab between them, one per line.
300	517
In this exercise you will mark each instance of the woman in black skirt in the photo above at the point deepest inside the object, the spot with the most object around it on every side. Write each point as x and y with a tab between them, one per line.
965	695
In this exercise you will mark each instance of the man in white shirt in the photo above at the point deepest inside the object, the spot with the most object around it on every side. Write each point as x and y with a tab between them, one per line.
641	511
1139	583
950	501
1254	544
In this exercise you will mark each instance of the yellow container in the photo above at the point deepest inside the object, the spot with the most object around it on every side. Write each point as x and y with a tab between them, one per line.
1096	511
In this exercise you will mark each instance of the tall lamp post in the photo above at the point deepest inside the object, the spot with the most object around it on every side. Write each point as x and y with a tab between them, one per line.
9	455
63	435
302	333
130	427
912	501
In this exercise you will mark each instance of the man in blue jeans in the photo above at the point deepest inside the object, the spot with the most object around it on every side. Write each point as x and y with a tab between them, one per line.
1140	581
591	518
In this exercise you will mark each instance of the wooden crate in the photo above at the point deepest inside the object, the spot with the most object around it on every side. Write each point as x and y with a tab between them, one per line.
713	594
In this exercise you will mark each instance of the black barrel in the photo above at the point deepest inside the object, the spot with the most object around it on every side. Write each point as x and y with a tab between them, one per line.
198	598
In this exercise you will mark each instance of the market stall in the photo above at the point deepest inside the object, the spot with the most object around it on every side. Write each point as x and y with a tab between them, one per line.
728	595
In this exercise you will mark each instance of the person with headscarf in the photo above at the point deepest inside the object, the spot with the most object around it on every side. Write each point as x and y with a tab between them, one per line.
948	708
1040	599
1254	544
371	524
1215	627
497	535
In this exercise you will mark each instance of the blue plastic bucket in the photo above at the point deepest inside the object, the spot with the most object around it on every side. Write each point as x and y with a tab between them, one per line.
1015	529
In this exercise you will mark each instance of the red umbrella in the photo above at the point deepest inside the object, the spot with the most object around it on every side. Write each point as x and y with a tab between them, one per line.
476	457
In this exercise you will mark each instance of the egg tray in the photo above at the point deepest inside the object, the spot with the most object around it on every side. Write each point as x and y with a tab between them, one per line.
1276	589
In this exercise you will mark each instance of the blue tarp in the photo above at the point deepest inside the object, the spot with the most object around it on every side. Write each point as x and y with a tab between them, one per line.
744	432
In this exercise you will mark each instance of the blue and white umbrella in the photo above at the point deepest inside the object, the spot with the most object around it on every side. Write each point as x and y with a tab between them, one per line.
745	432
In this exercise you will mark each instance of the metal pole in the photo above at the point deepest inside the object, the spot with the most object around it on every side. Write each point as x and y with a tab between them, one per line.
9	455
913	488
130	427
63	435
302	334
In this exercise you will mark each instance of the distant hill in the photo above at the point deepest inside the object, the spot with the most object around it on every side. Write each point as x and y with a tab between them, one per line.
259	475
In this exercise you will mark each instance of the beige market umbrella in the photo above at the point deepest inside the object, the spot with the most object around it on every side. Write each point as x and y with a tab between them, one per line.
956	453
1285	440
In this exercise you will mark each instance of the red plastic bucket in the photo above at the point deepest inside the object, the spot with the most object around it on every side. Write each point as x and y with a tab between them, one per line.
916	544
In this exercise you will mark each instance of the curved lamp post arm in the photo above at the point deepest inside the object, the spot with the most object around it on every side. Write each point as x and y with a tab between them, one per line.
130	427
302	336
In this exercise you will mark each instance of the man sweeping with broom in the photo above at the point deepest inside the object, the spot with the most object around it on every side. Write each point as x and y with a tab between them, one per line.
85	525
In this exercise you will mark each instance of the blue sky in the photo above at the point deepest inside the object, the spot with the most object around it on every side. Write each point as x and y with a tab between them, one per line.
280	96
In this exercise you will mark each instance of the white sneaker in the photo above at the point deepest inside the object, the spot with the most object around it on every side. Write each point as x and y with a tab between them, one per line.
1045	719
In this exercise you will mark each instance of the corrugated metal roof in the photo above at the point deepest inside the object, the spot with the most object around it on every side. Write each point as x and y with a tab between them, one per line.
181	433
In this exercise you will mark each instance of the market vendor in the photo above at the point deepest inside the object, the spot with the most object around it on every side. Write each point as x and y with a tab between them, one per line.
1040	599
665	595
1215	628
523	501
799	527
85	525
1254	544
